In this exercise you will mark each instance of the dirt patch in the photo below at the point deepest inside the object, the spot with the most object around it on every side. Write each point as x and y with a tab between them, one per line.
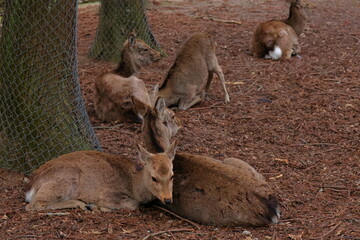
296	122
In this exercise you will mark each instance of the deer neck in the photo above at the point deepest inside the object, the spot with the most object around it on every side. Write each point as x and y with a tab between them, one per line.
139	190
155	139
296	21
127	67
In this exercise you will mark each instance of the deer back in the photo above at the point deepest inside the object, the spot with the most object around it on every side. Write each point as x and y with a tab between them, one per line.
113	98
211	192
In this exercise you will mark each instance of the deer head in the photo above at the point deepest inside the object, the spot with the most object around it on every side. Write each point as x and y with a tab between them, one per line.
157	172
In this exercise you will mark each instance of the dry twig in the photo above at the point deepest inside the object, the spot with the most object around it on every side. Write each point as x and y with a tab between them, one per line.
177	216
220	20
167	231
330	231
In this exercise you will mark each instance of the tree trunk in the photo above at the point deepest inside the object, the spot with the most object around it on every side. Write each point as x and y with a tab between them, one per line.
117	19
41	107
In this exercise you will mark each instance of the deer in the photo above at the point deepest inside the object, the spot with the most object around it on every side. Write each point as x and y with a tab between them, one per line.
213	192
114	90
188	80
278	39
298	15
101	181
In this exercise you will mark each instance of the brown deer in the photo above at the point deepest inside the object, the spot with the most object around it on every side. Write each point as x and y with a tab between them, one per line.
114	90
102	181
208	191
298	15
160	125
189	78
277	39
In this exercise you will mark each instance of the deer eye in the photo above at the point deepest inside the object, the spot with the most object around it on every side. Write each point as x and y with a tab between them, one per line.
154	179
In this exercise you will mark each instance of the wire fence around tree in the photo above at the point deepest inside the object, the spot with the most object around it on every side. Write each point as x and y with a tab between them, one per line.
42	113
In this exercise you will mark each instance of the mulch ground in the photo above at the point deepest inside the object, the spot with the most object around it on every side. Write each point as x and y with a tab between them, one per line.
297	122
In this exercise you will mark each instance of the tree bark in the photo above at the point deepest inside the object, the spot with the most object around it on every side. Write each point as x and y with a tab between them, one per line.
117	19
41	107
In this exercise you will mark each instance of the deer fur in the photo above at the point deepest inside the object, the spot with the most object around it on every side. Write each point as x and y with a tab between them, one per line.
98	180
114	90
189	78
298	15
278	39
212	192
160	125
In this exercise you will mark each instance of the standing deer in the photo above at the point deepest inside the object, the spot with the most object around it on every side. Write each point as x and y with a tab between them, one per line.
277	39
189	78
208	191
102	181
113	91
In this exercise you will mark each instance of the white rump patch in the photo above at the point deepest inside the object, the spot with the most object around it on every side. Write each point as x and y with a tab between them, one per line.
275	219
29	195
276	53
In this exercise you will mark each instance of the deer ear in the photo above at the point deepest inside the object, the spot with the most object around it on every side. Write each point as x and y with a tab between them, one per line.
153	93
132	37
160	106
144	155
171	150
139	107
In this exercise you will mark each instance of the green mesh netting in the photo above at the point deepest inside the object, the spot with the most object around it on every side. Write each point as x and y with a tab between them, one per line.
42	114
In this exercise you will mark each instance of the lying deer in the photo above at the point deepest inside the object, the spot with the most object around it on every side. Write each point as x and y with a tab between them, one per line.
102	181
189	78
208	191
277	39
113	91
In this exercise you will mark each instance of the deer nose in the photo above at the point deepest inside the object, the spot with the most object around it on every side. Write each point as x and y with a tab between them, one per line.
167	200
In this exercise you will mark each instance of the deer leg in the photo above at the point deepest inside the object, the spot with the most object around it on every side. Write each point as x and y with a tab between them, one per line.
287	54
113	201
66	204
220	74
210	78
184	105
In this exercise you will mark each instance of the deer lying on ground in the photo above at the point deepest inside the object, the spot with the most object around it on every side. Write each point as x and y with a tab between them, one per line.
113	91
208	191
101	181
189	79
277	39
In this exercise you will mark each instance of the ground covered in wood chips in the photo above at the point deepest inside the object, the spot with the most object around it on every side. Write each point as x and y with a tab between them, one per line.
296	122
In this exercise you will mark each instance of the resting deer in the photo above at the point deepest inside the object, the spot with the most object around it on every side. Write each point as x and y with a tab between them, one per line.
102	181
189	78
113	91
279	39
208	191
